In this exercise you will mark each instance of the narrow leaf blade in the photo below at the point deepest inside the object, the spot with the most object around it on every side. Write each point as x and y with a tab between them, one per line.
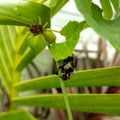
97	103
95	77
7	54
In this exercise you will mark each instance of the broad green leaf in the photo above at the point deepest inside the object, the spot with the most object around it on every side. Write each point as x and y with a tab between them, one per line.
62	50
97	103
16	115
109	29
72	31
23	12
94	77
107	8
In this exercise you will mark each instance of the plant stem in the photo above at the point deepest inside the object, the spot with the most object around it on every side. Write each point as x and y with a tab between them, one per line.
53	30
14	93
66	100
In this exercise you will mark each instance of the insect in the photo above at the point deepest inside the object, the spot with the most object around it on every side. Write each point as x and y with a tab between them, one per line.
66	68
39	29
36	29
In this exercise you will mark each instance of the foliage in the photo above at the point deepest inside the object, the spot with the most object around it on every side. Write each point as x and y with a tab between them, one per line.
18	47
105	28
17	114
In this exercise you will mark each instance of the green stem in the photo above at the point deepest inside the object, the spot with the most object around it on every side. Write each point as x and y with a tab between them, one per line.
14	79
66	100
53	30
14	93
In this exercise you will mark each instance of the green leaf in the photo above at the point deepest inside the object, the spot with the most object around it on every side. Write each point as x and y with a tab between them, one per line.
15	54
75	28
115	4
62	50
23	12
34	46
7	54
107	8
95	77
24	60
97	103
109	29
56	5
22	40
16	115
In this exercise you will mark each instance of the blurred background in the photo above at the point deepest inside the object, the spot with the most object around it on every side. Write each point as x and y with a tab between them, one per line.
91	52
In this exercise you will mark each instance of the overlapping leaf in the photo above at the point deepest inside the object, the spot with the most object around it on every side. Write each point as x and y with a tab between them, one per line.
16	115
107	6
95	77
104	103
109	29
71	32
7	53
23	12
15	51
